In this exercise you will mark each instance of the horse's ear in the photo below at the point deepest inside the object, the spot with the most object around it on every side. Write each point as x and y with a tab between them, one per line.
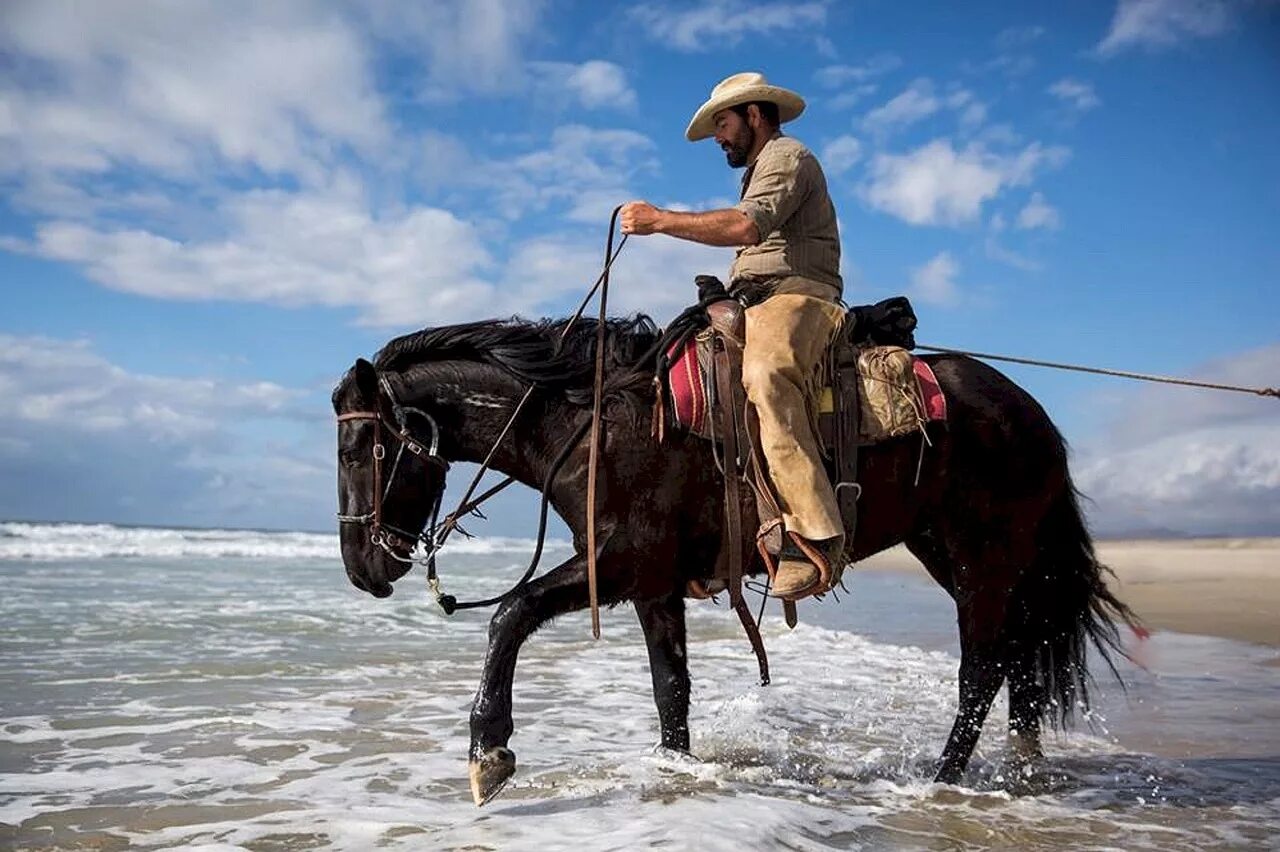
366	380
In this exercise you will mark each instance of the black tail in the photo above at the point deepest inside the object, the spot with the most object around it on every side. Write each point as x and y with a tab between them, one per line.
1066	605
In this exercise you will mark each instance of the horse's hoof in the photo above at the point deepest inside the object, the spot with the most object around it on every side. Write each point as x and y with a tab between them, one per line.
490	773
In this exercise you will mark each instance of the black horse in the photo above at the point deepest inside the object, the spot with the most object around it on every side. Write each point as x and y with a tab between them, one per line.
993	517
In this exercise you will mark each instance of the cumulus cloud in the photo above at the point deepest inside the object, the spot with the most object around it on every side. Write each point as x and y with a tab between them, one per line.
939	185
1015	37
293	248
1156	24
1203	462
586	168
1038	213
1076	94
934	282
841	75
85	437
464	46
916	102
595	84
841	154
127	84
921	100
654	276
719	23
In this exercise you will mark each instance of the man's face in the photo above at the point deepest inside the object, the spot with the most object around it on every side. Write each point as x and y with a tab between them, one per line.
734	136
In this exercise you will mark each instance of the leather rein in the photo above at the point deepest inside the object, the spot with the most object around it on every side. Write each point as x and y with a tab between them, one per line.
382	534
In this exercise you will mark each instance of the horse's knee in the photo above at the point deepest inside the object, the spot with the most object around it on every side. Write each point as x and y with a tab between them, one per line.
514	616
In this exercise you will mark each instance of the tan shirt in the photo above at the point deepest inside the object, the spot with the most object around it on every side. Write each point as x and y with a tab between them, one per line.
785	194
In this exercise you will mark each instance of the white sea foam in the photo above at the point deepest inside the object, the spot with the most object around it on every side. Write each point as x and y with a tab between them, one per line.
277	708
81	542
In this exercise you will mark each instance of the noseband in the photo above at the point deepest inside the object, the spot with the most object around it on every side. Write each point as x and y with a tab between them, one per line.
381	533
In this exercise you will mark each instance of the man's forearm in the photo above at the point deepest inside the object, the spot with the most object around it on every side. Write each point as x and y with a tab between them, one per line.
728	227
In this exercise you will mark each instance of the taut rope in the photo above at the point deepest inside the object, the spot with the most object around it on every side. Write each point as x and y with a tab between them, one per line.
1124	374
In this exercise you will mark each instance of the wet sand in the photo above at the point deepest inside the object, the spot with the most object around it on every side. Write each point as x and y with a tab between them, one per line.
1224	587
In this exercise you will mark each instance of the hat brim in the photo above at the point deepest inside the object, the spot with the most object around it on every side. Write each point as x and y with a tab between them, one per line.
790	105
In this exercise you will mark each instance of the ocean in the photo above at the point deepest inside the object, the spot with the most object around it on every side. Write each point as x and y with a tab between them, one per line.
220	690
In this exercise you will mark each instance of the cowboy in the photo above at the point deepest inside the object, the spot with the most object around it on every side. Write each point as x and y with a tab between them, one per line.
787	270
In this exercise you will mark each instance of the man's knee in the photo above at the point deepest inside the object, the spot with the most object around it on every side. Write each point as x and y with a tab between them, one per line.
766	382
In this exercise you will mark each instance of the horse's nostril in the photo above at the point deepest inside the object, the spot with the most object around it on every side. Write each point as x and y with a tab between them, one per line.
357	582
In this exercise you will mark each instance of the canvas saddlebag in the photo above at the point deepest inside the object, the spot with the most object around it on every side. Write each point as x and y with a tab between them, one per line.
889	402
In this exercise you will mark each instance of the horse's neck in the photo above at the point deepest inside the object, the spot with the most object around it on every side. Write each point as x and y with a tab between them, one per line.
480	401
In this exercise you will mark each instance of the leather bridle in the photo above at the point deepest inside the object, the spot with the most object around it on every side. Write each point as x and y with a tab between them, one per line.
381	533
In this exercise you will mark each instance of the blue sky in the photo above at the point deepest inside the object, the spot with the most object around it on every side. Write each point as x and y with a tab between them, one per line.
209	210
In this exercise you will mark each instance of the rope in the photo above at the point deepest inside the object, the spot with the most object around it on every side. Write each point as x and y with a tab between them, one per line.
1168	380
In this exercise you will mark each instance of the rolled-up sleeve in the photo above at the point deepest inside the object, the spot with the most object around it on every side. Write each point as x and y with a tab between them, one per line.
778	187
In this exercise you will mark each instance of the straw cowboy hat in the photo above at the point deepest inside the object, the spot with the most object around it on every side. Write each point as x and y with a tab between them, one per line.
742	89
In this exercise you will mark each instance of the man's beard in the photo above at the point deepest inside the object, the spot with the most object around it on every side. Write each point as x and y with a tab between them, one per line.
736	151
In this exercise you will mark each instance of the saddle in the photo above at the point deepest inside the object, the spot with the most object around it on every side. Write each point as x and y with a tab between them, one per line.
873	390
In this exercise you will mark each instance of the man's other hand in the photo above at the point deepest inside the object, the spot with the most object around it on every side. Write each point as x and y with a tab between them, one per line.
640	218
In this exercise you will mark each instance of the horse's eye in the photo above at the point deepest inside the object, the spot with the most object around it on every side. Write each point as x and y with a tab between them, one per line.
349	458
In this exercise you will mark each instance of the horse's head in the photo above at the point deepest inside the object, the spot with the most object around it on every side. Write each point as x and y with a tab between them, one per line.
390	478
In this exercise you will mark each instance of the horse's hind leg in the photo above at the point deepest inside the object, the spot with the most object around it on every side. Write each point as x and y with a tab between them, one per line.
980	608
664	632
982	594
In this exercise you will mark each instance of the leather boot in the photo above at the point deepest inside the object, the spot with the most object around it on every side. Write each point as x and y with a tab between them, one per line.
798	574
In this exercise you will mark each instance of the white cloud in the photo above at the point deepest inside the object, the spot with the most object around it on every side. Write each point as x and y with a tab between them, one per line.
997	252
86	438
715	24
1075	93
586	168
1163	23
1014	37
1192	460
934	282
921	100
413	265
938	185
839	76
841	154
275	87
465	46
916	102
594	85
1038	214
972	111
49	381
852	96
654	274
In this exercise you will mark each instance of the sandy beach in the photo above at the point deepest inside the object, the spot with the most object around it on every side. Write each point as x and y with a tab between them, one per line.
1225	587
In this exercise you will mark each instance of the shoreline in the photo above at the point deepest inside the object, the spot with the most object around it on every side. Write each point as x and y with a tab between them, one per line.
1228	588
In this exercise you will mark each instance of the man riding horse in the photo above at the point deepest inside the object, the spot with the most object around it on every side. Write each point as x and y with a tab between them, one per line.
787	272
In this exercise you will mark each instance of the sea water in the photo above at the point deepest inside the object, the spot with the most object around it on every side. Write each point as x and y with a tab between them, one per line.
230	690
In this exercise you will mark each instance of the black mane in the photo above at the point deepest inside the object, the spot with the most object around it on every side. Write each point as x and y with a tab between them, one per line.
535	351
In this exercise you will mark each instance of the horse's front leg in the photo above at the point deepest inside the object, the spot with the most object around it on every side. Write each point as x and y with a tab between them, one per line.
664	633
562	589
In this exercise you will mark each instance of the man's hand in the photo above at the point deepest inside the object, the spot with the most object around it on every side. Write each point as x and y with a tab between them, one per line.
640	218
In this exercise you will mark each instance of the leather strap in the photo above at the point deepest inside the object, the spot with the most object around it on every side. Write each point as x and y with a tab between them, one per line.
732	480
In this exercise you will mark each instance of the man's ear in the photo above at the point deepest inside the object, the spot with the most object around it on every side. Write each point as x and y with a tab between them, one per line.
366	381
754	118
